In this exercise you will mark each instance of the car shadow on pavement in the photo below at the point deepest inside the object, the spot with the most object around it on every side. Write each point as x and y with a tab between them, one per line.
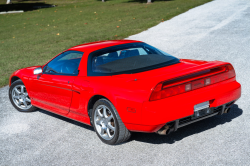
67	120
189	130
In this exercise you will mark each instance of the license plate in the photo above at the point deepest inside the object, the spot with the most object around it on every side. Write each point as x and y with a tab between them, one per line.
201	109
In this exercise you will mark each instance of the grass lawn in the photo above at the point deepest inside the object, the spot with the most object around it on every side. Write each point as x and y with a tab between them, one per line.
33	37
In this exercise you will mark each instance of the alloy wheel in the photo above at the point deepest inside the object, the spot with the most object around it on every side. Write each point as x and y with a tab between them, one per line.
104	122
20	97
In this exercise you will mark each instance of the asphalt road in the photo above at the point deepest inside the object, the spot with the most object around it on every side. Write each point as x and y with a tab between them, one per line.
219	30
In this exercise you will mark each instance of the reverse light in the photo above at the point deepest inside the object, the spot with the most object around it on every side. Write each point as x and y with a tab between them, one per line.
207	81
188	87
165	89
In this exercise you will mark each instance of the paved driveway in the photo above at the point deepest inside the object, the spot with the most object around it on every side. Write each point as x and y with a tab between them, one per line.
219	30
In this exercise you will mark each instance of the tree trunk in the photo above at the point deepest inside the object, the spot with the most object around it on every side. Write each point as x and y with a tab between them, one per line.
149	1
103	0
8	2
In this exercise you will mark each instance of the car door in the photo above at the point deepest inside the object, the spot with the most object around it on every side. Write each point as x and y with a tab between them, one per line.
52	90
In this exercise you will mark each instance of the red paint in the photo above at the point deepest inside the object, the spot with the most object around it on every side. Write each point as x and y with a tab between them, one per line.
133	110
54	91
130	93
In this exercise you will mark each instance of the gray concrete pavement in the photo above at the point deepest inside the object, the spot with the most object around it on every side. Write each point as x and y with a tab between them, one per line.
219	30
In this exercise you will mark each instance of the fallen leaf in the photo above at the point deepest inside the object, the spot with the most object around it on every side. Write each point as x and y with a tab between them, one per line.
117	26
80	11
94	12
86	23
36	24
55	11
48	25
57	34
115	35
133	18
162	19
2	42
23	27
13	37
120	20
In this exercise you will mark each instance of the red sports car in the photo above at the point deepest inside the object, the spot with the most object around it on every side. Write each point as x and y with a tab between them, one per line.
122	86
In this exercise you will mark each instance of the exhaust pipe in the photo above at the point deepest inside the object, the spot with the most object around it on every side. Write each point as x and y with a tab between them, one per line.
227	110
163	131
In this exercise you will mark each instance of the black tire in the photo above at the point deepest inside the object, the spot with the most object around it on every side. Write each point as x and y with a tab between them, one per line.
122	134
17	83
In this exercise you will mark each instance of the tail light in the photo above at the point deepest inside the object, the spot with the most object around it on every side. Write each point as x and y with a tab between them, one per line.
189	83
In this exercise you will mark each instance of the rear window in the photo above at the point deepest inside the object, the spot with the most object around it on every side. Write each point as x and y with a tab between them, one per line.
128	58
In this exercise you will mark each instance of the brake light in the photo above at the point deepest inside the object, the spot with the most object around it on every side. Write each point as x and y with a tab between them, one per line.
163	90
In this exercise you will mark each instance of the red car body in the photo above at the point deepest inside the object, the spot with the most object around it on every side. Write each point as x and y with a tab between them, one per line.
73	96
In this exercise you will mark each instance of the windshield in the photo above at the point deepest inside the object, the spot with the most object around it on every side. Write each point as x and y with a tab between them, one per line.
130	58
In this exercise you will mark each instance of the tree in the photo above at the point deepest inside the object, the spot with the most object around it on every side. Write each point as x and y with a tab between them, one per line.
8	2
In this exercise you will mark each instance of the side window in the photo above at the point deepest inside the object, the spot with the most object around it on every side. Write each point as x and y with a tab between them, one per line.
65	63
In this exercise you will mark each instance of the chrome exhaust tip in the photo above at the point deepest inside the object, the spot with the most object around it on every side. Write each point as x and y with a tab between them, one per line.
163	131
227	110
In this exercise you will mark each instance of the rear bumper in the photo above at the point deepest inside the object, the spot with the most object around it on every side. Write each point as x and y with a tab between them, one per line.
173	126
156	114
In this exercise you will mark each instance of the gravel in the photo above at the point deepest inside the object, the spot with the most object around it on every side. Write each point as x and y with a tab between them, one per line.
219	30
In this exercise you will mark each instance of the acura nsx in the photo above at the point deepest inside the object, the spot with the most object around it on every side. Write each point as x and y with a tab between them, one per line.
124	86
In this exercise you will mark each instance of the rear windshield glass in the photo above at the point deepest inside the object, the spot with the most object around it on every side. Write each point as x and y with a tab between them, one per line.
130	58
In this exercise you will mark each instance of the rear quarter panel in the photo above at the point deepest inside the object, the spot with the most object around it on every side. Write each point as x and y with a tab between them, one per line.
122	93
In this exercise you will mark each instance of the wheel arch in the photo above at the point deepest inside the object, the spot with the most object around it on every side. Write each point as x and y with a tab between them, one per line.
92	101
13	79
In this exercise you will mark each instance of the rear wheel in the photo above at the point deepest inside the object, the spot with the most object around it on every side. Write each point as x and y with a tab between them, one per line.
19	97
107	123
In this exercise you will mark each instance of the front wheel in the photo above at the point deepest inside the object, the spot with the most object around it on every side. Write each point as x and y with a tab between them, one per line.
108	124
19	97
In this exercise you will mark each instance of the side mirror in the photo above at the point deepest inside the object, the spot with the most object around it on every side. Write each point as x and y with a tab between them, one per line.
38	70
